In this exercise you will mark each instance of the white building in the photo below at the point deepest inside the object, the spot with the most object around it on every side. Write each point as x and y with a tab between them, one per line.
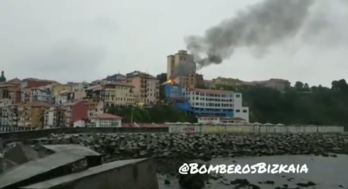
216	102
79	123
217	120
39	94
64	97
107	120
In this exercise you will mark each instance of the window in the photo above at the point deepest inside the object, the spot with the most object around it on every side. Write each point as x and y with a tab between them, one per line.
238	96
237	110
245	111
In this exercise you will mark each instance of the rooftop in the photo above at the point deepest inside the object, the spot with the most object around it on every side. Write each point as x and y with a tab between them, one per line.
5	85
72	103
108	116
140	74
208	91
72	149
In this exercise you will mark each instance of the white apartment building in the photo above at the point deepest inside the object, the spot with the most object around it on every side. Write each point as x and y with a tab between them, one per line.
216	102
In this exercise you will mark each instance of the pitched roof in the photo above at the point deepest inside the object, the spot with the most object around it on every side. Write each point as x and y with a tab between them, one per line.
14	80
108	116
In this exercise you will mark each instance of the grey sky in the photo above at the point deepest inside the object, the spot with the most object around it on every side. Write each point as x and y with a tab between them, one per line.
75	40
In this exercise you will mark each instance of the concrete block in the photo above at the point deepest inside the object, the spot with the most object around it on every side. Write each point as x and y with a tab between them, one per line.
5	164
38	170
93	158
21	153
126	174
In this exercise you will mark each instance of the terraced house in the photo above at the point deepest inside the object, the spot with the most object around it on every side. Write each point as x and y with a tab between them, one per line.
112	94
28	114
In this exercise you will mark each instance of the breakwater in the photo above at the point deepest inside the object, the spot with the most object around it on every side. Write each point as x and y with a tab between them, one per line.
31	134
23	133
170	150
164	146
264	128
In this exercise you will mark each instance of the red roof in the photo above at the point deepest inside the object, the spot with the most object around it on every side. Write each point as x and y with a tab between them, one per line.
155	125
128	125
8	85
108	116
162	125
146	125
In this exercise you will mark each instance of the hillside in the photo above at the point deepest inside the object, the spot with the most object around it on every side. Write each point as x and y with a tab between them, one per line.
299	105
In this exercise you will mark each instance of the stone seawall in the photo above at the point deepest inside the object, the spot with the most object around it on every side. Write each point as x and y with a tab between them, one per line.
25	135
177	147
192	128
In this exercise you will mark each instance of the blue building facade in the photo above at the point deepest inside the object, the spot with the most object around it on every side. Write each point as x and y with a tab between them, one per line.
175	93
206	102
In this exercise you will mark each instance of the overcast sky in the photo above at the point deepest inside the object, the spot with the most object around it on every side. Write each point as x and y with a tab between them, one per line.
75	40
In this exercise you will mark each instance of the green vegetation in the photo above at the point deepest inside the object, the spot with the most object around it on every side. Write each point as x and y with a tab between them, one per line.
155	114
298	105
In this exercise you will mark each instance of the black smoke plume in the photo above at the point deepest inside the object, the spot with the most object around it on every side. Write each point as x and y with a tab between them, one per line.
262	25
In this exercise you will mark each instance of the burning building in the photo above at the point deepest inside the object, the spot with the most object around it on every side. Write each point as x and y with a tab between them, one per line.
181	69
174	93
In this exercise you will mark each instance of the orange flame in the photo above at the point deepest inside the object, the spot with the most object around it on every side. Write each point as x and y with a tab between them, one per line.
170	81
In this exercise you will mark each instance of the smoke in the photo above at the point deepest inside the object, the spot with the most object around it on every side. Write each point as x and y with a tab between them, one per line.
185	67
261	26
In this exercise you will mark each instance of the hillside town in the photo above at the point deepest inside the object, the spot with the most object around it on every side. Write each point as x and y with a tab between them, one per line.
33	102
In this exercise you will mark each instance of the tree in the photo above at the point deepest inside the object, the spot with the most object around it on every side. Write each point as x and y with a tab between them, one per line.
323	106
299	85
155	114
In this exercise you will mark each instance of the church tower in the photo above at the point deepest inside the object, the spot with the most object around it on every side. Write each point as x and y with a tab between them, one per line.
2	77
